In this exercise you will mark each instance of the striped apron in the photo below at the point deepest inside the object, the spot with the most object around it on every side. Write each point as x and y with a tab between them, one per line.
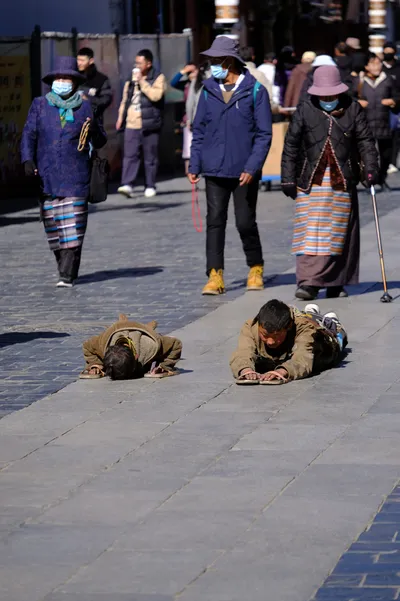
321	220
65	221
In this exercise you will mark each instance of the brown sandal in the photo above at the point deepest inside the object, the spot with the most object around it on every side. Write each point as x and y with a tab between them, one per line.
164	374
86	375
243	381
281	380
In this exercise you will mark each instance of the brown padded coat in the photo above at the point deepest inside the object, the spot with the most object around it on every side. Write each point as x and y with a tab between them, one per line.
308	348
167	350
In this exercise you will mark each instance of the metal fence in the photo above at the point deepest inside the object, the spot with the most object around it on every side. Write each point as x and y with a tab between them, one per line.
23	62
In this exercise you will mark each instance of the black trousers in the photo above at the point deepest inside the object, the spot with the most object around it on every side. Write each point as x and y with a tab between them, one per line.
218	192
68	261
385	147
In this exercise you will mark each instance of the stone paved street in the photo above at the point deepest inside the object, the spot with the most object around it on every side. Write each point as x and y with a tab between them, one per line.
193	488
140	257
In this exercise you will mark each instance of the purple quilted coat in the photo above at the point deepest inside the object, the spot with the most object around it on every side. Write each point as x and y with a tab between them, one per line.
63	169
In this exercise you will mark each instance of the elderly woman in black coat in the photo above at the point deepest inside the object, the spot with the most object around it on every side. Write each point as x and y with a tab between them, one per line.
327	144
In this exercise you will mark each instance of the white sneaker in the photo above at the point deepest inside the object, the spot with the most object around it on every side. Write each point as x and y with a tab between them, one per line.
126	191
312	308
150	192
392	169
332	315
62	284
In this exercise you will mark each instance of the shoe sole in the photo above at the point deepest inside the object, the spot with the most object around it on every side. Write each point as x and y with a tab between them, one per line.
254	288
126	194
305	296
212	293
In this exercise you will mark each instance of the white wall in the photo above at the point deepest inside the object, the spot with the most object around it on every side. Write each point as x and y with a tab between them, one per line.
88	16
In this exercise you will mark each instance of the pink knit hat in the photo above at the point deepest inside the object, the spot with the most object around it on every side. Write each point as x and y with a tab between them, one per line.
327	82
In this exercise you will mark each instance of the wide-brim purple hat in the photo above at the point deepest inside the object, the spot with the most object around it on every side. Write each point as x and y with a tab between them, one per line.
224	46
327	82
65	66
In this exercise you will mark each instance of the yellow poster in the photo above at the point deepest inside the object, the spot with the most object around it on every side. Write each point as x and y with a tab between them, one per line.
15	99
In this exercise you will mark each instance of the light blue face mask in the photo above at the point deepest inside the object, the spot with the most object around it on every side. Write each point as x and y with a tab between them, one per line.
62	88
329	106
219	72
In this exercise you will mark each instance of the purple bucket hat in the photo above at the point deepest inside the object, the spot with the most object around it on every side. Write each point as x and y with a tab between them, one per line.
65	66
327	82
224	46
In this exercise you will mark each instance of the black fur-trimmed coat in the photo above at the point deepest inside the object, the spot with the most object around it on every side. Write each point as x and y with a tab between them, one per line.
308	134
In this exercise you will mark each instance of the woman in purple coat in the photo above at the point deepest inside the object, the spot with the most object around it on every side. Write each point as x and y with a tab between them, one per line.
51	149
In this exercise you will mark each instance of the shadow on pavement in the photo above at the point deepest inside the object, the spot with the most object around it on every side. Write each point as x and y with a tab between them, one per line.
144	207
114	274
10	338
4	221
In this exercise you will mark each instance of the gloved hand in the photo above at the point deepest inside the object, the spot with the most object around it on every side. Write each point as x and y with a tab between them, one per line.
373	178
30	168
290	191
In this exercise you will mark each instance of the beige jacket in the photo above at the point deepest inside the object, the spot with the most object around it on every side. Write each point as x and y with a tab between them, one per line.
259	76
308	348
153	92
150	345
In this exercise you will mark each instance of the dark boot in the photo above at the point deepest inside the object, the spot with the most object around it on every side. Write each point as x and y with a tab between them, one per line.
336	292
307	293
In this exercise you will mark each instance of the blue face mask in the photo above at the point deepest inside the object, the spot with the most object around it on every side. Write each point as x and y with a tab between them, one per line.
62	88
329	106
219	72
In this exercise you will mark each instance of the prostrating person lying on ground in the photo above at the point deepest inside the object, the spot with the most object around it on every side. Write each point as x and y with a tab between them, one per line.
129	349
283	343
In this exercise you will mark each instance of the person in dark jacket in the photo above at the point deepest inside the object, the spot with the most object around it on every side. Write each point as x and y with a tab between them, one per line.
344	63
55	147
284	68
232	134
96	88
377	94
391	66
356	54
320	169
141	116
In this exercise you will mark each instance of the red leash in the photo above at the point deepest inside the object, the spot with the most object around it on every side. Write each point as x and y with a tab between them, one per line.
196	213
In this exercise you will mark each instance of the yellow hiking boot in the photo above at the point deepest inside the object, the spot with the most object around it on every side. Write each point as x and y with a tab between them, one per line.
255	280
215	284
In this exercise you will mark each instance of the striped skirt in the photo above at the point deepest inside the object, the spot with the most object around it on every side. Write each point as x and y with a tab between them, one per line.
321	220
65	221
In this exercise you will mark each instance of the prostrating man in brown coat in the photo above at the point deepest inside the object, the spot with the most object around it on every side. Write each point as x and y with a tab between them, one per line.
129	349
282	343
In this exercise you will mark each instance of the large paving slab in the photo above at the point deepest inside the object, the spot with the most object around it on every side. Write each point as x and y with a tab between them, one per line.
193	488
140	257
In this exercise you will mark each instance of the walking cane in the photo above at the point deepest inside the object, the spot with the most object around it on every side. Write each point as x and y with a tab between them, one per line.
385	298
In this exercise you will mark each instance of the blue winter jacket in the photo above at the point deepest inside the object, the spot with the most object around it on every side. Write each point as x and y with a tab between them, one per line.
234	137
64	170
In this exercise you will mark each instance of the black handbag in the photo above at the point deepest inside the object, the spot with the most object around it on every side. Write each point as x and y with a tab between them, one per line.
99	180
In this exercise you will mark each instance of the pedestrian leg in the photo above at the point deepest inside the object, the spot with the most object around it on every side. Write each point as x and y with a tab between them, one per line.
245	201
69	263
218	192
150	157
131	161
385	155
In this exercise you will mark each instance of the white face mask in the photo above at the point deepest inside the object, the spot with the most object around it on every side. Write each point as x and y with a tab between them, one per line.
62	88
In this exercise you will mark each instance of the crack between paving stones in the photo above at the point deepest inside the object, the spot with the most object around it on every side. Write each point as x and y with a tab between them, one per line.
106	468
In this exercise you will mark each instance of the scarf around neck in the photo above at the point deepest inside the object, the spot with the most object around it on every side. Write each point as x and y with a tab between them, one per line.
65	106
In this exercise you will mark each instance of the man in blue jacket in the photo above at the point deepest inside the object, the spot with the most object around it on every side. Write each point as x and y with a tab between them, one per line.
232	134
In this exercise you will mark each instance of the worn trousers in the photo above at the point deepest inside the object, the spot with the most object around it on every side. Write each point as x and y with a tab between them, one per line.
137	141
218	192
385	147
68	262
